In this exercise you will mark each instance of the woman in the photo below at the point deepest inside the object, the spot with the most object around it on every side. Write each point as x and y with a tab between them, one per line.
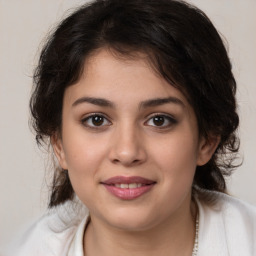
137	99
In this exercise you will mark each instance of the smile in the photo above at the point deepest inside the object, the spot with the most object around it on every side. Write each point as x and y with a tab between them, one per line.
132	185
128	188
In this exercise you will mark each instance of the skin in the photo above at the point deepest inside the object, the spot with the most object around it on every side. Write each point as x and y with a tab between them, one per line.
128	141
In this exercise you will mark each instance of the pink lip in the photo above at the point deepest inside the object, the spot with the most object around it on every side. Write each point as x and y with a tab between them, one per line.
128	193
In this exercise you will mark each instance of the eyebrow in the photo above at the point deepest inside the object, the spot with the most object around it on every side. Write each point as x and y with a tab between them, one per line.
144	104
95	101
161	101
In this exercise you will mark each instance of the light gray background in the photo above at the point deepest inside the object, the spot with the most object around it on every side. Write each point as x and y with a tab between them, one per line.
23	24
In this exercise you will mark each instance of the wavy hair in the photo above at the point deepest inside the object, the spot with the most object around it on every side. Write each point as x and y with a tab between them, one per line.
182	45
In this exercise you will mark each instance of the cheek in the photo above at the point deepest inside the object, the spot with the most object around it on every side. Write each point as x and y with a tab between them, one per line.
174	159
177	158
177	150
82	149
84	156
84	160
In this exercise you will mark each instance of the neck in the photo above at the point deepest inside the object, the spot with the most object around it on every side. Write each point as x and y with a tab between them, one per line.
175	236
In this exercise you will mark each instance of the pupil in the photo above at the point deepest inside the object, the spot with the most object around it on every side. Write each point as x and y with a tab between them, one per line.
97	120
158	120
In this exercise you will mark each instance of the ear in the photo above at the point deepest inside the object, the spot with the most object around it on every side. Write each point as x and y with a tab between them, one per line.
207	148
58	149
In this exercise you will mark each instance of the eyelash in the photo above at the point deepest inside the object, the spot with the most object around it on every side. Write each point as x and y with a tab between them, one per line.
166	118
106	122
88	118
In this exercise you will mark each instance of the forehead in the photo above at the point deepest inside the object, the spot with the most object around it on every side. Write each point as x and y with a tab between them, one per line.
129	78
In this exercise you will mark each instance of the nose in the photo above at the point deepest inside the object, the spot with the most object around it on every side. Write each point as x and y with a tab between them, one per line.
127	146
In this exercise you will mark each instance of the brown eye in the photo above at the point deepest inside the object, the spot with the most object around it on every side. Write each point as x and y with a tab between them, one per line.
95	121
161	121
158	120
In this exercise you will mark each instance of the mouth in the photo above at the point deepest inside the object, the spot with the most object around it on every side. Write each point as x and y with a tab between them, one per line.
131	185
128	188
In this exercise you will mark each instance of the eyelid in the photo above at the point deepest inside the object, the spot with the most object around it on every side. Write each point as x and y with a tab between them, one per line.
91	115
172	120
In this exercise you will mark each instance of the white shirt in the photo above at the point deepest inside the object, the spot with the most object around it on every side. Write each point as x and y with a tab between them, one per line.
228	228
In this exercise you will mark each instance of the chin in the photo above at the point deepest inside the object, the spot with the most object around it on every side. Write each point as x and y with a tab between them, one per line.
132	219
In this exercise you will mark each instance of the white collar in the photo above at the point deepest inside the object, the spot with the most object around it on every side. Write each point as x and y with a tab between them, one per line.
76	246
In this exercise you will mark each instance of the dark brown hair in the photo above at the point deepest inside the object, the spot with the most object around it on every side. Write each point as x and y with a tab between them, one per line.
183	46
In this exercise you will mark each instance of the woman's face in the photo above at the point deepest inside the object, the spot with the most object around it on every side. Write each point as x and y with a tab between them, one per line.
130	143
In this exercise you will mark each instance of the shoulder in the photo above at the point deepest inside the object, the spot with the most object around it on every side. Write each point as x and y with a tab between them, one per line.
229	207
227	227
52	234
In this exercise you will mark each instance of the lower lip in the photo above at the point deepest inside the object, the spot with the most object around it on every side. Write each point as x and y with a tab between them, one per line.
128	193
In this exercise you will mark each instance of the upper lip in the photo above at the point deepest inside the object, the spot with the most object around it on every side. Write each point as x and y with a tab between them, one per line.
127	180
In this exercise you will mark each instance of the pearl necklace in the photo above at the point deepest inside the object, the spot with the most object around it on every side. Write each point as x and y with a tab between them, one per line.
195	248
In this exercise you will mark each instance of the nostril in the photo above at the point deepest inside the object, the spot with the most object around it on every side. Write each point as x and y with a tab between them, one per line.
127	154
116	161
126	161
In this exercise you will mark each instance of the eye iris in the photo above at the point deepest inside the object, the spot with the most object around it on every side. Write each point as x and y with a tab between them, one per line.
97	120
158	120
